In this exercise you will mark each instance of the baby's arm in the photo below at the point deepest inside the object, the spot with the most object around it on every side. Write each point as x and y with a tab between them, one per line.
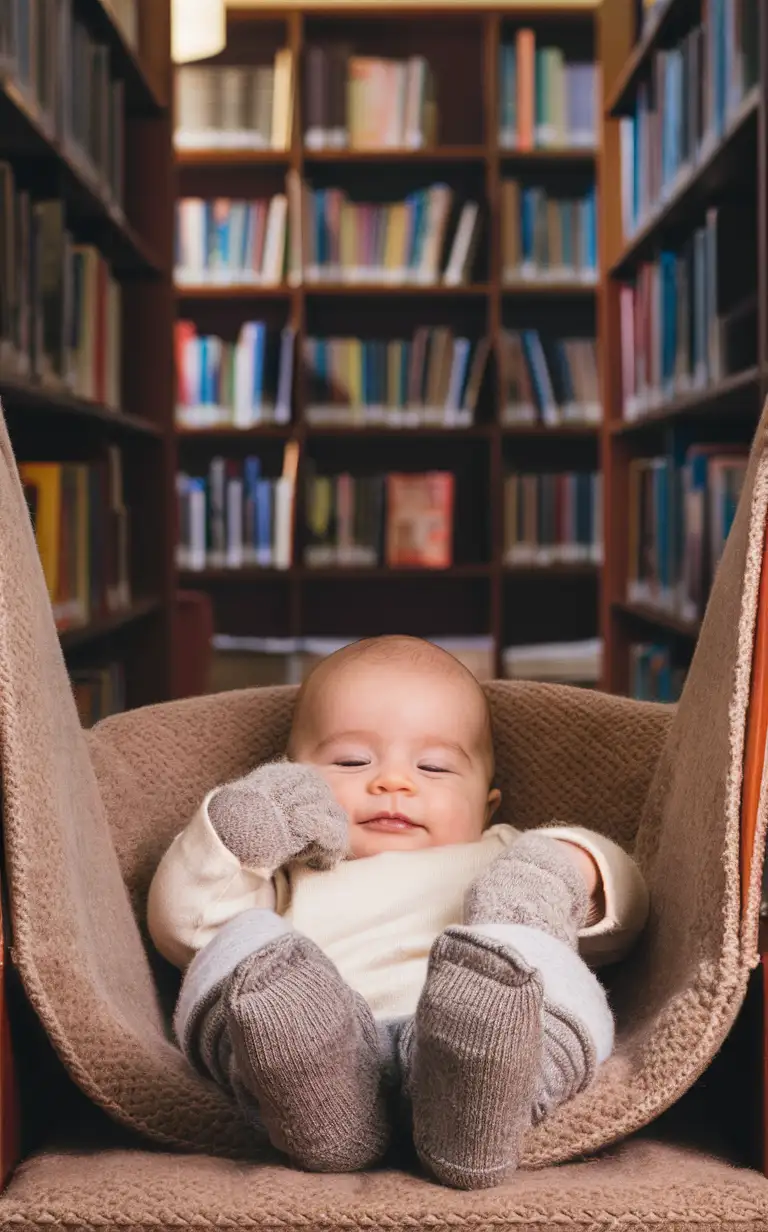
222	863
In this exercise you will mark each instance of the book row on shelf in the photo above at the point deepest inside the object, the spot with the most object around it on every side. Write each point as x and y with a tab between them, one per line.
545	100
552	381
367	102
432	379
235	516
683	325
240	384
224	107
694	94
64	76
429	238
547	236
362	102
81	526
681	507
552	518
229	242
60	307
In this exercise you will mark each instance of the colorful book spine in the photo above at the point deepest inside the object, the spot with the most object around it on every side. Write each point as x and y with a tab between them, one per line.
551	381
227	242
235	107
547	237
546	101
239	385
553	518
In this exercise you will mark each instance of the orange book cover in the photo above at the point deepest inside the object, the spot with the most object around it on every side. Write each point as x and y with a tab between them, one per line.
420	520
526	88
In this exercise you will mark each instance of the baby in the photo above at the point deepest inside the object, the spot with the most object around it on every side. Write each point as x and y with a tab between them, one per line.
351	924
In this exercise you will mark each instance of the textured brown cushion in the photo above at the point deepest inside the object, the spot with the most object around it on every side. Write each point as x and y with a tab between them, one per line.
642	1184
86	819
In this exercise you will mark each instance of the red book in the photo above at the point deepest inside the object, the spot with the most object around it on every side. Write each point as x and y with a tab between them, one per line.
420	520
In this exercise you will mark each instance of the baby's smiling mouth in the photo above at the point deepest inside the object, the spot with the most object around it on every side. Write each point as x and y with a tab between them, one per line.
391	823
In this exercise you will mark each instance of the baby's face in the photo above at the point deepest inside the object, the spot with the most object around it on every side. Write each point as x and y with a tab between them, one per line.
405	752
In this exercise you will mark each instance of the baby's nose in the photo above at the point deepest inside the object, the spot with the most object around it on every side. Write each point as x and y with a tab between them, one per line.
391	780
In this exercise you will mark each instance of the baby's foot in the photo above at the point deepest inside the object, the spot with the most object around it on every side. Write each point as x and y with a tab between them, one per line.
305	1048
475	1059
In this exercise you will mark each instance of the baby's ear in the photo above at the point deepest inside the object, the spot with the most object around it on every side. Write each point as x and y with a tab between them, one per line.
492	804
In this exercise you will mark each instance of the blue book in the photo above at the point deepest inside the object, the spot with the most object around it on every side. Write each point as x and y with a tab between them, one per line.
259	353
263	522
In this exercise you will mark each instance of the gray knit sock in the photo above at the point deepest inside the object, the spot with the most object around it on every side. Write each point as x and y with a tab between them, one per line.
474	1060
533	901
305	1047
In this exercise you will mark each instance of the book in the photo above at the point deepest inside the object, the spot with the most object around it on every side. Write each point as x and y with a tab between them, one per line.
234	516
432	379
683	324
547	237
420	520
229	242
552	381
553	518
694	93
231	107
419	240
60	305
238	385
546	101
81	526
367	102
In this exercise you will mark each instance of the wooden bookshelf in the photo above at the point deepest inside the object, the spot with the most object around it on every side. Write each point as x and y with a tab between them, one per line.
721	409
50	423
479	594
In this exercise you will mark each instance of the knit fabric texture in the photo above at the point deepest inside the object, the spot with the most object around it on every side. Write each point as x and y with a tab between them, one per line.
87	818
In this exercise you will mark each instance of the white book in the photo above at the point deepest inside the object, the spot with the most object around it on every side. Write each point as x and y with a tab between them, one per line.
197	518
438	210
244	372
283	522
456	271
417	79
274	243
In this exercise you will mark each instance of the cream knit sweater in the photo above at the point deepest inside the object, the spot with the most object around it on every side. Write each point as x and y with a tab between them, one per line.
375	918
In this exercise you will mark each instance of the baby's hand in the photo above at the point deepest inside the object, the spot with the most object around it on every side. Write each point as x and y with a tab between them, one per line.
279	814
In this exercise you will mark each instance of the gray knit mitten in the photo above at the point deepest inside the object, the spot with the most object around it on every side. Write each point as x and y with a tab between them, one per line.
534	883
279	814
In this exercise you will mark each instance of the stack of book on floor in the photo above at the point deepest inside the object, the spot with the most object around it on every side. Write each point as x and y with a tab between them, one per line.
60	307
433	379
423	239
552	381
576	663
98	692
228	242
553	519
235	517
681	508
695	92
547	237
251	662
402	520
653	676
238	385
366	102
81	526
682	322
226	107
545	100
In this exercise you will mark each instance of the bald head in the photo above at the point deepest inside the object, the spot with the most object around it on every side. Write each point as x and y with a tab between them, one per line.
412	655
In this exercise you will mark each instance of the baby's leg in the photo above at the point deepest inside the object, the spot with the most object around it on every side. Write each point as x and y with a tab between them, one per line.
511	1022
265	1013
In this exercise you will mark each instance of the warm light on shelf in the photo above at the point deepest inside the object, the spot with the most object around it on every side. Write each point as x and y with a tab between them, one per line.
199	29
